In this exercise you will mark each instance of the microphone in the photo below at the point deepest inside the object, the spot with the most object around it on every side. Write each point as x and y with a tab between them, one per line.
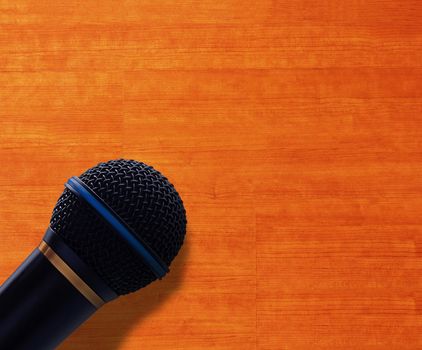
115	229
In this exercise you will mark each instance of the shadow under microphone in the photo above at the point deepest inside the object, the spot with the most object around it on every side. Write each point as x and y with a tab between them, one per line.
114	230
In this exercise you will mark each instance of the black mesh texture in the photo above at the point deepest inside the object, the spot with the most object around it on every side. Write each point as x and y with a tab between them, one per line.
144	199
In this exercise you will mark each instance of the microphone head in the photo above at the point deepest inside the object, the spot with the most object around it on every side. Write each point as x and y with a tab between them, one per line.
145	200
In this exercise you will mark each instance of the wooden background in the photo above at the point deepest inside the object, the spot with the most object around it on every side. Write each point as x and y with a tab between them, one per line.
292	130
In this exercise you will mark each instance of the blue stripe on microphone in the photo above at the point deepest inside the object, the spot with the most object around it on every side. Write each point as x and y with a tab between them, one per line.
150	258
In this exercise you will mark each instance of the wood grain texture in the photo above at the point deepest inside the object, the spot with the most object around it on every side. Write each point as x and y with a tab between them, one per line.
292	130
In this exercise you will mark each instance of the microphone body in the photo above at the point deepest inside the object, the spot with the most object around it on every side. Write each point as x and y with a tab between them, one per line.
50	295
39	307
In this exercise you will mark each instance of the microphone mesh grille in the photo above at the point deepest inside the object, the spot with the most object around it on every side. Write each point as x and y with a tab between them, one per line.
145	200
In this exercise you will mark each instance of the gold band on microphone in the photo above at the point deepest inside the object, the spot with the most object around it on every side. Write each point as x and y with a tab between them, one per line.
70	275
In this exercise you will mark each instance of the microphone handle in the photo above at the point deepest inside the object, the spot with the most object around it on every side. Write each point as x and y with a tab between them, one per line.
39	307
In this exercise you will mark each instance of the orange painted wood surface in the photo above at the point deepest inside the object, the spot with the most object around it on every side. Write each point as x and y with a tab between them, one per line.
292	130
